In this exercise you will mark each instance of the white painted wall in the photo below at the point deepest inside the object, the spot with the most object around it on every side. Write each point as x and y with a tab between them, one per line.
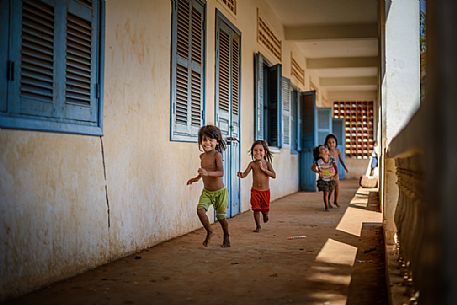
53	205
400	92
401	85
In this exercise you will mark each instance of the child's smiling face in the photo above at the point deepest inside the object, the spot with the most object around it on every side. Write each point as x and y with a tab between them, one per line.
209	144
323	151
258	152
331	143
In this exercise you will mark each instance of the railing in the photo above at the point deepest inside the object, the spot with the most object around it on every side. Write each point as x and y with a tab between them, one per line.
407	153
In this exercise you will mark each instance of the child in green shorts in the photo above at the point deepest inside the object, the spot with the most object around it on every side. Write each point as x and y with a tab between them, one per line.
211	172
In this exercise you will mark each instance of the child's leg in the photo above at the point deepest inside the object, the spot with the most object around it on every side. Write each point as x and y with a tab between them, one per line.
329	200
326	200
257	221
205	222
224	225
265	216
337	191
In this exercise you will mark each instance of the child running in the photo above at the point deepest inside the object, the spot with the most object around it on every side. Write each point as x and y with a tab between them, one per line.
331	142
211	172
262	171
325	166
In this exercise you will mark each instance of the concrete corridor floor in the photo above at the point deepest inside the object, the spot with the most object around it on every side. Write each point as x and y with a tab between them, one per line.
339	261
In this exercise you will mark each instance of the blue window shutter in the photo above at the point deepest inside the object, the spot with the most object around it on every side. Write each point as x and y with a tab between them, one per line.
324	124
286	101
339	132
5	64
80	61
308	115
31	90
294	132
53	69
259	97
276	96
187	68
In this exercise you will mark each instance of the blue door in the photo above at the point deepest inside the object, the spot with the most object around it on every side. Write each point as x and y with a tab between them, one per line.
324	124
307	125
228	46
339	132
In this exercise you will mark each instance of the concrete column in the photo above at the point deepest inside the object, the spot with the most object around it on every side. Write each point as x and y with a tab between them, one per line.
400	88
401	85
438	283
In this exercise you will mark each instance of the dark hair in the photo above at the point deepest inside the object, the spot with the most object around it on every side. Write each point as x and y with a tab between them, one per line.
330	136
268	155
316	153
211	132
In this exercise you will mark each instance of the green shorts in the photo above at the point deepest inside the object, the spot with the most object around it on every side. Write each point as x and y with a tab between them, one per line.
219	199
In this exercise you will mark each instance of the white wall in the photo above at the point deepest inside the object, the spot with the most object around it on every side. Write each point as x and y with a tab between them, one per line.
401	85
400	92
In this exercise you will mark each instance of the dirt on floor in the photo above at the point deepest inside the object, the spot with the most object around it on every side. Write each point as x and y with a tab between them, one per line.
303	255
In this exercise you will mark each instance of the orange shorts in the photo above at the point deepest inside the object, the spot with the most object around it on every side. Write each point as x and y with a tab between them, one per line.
260	200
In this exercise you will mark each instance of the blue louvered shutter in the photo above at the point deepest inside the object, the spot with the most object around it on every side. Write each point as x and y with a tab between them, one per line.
80	64
188	72
4	62
339	127
286	101
324	124
259	97
294	132
32	83
275	119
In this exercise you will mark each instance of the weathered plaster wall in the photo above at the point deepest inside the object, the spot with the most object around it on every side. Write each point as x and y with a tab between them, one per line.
400	90
53	211
56	217
401	85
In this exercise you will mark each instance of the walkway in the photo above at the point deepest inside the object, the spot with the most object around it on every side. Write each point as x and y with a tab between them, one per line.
340	261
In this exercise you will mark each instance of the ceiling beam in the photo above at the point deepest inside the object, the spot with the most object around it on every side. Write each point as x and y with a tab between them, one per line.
352	95
341	62
348	81
332	31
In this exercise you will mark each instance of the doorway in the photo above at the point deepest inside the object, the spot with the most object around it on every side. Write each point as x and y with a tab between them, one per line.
227	108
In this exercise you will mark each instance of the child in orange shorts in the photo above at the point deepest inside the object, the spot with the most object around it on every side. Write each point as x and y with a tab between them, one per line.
262	171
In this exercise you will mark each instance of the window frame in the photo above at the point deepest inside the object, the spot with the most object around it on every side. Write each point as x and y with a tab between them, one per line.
262	68
286	113
11	118
176	135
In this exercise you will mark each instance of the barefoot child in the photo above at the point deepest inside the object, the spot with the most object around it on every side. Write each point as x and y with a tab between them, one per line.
262	171
211	172
325	166
331	142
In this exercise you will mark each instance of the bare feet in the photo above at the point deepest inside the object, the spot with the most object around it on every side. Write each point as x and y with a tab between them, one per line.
257	228
208	237
265	217
226	243
336	204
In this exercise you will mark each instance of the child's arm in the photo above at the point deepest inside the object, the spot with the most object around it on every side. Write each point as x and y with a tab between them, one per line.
246	171
269	171
315	168
336	169
219	172
192	180
342	162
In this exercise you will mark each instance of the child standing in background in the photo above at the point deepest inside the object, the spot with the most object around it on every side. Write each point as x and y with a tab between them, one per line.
331	142
211	172
262	171
325	166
